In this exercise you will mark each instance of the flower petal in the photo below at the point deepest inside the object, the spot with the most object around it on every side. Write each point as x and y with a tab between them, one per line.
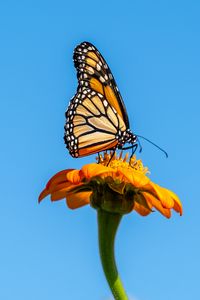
137	179
157	204
177	203
43	194
140	209
53	189
92	170
74	176
59	194
162	194
58	177
76	200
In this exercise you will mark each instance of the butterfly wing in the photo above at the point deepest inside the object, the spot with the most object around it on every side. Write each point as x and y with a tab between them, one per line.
96	115
92	124
94	72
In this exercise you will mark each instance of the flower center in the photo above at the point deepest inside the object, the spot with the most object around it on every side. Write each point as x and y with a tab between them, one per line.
114	161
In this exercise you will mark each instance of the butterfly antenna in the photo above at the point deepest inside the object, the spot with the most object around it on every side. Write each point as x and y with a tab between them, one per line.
140	136
140	146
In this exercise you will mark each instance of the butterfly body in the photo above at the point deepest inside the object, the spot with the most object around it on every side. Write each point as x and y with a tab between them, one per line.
96	118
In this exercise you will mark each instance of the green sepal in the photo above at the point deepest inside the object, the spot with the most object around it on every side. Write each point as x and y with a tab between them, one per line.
115	185
106	198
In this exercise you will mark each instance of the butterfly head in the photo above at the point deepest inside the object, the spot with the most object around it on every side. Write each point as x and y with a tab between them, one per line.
131	138
126	137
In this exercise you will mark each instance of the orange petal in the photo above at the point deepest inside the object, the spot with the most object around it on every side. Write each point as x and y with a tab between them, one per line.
74	176
162	194
59	194
60	186
157	204
58	177
68	186
53	188
55	180
143	211
43	194
135	178
77	200
92	170
177	203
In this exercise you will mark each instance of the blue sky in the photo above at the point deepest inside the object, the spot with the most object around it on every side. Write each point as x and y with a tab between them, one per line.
48	251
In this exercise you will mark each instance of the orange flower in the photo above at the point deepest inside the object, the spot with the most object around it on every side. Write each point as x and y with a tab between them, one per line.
120	187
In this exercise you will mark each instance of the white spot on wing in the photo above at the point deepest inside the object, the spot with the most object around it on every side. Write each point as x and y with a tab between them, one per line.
105	103
100	95
90	70
102	79
98	67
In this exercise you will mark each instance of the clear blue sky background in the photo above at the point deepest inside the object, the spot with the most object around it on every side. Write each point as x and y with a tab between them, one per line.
153	48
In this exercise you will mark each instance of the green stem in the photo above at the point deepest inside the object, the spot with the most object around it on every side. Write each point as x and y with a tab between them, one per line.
107	226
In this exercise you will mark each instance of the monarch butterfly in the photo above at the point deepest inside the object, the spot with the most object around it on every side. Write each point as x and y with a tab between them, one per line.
96	118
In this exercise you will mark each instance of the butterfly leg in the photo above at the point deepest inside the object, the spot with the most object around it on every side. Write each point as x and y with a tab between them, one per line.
98	158
112	155
133	147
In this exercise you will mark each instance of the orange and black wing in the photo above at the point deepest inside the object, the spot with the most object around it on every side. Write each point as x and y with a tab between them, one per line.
96	116
94	72
92	124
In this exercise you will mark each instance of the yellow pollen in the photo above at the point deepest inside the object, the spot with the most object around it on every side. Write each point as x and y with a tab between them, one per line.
114	161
